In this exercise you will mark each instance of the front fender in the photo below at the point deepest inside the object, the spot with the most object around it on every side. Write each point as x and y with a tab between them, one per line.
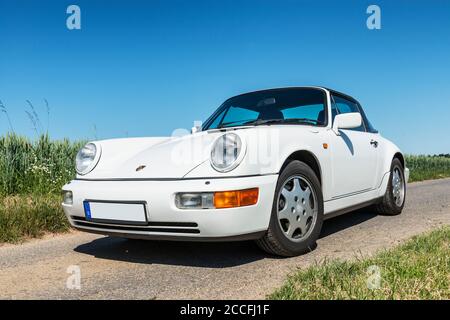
388	151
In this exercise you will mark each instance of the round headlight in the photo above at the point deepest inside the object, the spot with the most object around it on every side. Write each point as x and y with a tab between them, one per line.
87	158
226	152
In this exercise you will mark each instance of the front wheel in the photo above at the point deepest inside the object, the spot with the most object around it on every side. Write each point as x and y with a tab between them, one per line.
297	212
394	199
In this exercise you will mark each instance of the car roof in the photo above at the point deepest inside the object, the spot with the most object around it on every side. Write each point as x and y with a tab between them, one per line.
332	91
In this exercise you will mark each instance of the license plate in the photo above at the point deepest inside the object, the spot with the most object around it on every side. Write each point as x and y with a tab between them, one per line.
115	212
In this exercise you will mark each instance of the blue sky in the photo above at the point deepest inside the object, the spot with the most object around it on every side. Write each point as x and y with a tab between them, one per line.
146	68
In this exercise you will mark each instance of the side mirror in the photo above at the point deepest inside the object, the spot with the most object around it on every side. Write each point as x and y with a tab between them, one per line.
197	127
194	130
346	121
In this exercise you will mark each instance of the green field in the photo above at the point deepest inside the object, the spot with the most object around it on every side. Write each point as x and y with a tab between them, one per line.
32	173
419	269
31	176
41	166
428	167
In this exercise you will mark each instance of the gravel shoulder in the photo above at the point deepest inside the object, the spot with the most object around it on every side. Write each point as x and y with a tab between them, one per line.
113	268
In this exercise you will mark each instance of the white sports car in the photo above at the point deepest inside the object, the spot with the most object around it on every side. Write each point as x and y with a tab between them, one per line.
269	165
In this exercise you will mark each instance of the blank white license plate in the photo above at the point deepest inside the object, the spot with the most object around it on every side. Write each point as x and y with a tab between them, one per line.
112	211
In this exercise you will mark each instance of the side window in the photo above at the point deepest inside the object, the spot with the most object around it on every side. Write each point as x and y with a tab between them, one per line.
341	105
313	112
369	126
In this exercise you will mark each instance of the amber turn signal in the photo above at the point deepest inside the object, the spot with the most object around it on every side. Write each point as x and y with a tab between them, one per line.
238	198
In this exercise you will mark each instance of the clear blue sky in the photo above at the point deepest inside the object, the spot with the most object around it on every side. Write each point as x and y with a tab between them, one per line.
146	68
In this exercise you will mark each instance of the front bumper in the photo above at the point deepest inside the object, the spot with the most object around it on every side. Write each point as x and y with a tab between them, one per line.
165	220
406	173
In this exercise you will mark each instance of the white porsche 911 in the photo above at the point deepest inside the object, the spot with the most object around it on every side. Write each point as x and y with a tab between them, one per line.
269	165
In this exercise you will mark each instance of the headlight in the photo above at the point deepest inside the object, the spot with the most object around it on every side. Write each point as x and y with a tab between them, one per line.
87	158
227	152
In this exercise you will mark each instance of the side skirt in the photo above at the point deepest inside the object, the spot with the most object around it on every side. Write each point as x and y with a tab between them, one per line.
351	208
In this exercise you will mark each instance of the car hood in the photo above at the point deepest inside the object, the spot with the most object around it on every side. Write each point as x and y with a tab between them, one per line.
144	158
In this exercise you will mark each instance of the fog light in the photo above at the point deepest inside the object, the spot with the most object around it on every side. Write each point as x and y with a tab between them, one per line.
202	200
68	197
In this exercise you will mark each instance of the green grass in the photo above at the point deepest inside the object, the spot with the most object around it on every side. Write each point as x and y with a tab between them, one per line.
41	166
418	269
23	217
428	167
31	176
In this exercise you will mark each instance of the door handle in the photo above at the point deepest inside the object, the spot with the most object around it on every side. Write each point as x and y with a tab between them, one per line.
374	143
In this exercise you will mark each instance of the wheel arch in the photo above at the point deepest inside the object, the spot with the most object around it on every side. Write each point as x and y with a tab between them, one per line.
389	152
307	157
398	155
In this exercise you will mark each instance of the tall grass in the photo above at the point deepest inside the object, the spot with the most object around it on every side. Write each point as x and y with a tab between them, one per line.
32	173
38	167
428	167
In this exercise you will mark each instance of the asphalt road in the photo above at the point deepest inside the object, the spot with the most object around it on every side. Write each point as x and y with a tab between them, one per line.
114	268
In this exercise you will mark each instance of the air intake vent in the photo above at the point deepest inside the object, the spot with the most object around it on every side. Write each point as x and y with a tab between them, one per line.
169	227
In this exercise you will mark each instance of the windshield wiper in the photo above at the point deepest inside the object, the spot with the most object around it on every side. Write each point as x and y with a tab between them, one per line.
259	122
226	124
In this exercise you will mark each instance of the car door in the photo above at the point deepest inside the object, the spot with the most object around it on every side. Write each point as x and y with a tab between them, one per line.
354	154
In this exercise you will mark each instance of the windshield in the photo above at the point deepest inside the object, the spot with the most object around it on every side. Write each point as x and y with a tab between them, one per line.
285	106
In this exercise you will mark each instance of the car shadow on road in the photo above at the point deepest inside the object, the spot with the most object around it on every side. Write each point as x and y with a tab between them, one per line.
200	254
346	221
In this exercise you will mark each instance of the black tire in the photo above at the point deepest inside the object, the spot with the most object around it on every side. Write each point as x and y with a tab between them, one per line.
274	241
387	205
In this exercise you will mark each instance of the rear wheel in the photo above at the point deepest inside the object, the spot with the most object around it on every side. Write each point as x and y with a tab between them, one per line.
297	212
394	199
